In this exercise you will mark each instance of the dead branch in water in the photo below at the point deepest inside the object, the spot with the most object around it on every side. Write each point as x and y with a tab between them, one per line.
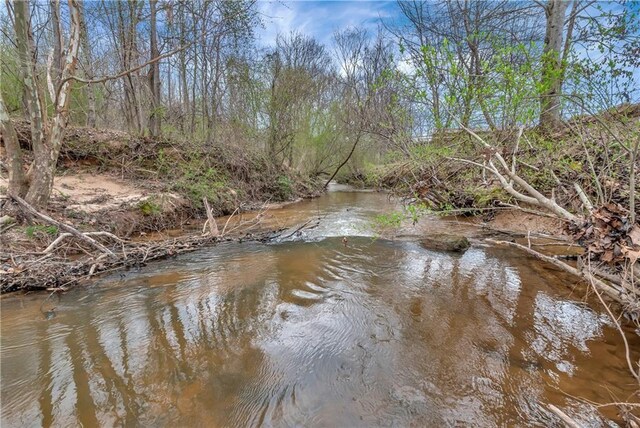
570	423
59	273
211	221
633	371
613	291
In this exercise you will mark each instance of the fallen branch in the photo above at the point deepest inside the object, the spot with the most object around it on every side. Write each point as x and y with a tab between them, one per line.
563	416
65	235
624	337
56	273
583	197
33	212
228	220
615	293
509	177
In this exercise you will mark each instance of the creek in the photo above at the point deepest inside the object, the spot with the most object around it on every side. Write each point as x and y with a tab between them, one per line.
313	331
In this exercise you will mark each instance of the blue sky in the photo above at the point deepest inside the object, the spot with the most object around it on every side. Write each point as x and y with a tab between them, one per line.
321	18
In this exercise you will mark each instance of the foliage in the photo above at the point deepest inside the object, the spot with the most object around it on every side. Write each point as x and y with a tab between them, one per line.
36	230
149	208
196	184
285	188
387	221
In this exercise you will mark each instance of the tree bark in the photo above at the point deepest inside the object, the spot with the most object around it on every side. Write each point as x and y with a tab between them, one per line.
46	155
57	41
154	75
46	145
24	43
17	182
127	34
184	88
552	64
88	57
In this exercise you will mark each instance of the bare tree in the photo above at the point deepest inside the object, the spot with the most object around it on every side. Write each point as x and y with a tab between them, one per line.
46	138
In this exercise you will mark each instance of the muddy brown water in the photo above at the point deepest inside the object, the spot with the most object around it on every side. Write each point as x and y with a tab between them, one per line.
311	332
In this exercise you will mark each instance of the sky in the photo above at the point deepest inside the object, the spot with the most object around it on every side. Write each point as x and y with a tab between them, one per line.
321	18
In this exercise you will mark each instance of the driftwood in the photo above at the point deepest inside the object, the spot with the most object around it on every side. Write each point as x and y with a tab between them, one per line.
62	226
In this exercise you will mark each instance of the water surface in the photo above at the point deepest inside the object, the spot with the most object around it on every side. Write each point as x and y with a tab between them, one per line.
313	332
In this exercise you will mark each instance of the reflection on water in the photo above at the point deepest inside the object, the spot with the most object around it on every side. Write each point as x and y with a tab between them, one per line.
316	333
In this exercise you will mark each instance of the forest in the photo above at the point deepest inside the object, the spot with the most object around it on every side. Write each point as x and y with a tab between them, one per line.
194	72
122	122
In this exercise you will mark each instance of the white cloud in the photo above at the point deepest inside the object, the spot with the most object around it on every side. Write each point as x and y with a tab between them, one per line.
319	18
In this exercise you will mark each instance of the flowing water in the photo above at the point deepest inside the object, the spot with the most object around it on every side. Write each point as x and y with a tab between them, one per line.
313	332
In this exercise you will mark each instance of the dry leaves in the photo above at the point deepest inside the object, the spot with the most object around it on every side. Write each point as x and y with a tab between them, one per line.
608	235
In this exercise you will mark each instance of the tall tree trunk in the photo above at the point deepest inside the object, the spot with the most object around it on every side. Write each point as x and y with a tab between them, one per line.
194	84
46	145
17	181
33	100
183	70
154	75
552	66
56	71
88	69
127	34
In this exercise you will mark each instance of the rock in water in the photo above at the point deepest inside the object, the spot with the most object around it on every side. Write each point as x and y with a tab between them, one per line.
445	242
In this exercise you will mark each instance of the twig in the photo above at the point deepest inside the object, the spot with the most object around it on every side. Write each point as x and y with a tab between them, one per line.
229	219
613	292
583	197
615	320
563	416
298	229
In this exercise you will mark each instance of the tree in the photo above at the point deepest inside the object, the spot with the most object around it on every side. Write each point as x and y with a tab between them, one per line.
368	96
298	70
154	74
17	181
88	67
46	138
552	63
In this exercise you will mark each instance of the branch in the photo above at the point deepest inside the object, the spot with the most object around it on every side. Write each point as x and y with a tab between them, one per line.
121	74
213	226
583	197
65	235
31	210
613	292
570	423
345	161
